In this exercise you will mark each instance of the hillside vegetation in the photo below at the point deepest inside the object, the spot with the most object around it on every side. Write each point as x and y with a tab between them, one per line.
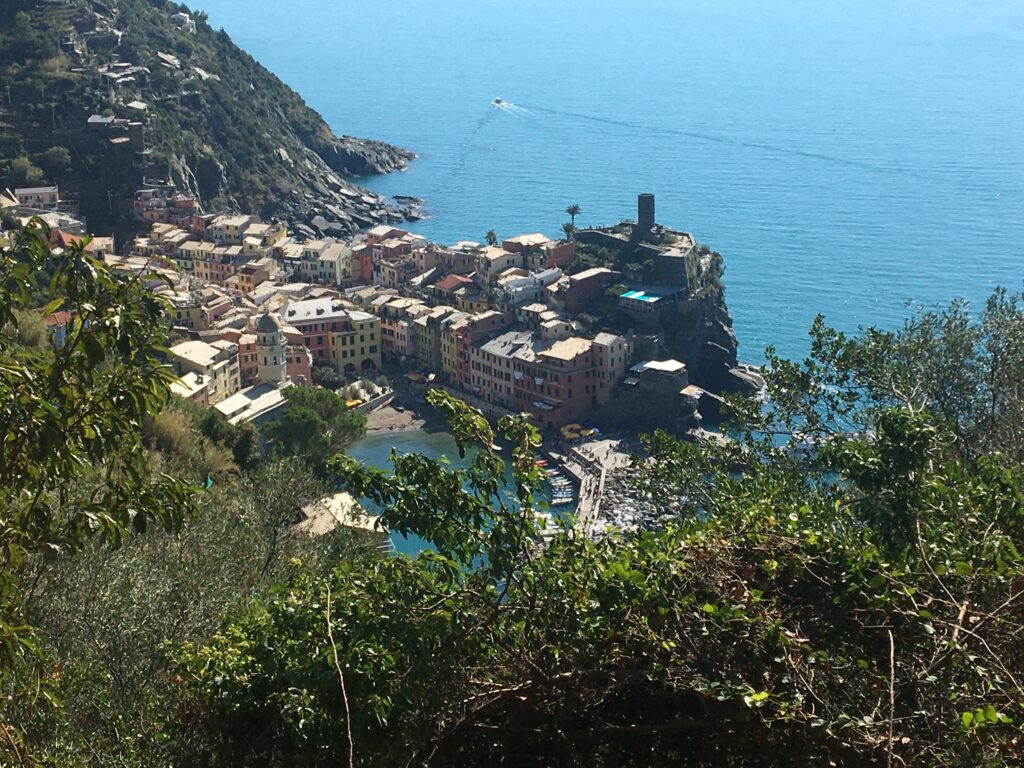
214	120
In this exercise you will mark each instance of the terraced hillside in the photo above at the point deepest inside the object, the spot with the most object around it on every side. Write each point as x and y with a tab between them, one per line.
98	94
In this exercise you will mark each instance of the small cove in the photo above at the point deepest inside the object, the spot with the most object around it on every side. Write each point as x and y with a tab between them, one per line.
375	451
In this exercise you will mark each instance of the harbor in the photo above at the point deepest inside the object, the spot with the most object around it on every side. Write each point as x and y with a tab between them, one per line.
585	470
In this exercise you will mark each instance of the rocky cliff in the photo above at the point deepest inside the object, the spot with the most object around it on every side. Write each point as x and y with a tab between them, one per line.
693	327
699	333
170	98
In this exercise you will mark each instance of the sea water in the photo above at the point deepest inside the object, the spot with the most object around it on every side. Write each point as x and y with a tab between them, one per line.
375	450
844	157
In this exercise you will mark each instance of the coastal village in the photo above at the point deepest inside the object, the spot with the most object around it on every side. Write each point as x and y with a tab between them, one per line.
255	309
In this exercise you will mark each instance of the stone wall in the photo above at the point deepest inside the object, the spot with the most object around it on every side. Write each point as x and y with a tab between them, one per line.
646	407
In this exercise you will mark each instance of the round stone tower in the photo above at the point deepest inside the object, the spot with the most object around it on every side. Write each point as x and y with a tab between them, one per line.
271	350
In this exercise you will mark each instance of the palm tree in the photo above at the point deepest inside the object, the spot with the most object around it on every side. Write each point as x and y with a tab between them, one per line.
573	211
492	238
570	230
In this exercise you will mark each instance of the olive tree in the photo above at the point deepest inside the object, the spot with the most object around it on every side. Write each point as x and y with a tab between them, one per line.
72	466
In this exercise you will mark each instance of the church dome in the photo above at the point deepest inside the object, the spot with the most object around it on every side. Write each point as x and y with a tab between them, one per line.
268	323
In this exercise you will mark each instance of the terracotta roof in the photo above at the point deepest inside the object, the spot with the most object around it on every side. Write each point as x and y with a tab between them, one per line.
452	282
62	239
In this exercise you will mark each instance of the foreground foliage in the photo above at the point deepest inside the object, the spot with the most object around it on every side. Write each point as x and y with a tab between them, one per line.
71	464
93	452
861	606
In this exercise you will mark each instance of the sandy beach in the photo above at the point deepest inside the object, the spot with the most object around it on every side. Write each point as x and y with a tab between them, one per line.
387	419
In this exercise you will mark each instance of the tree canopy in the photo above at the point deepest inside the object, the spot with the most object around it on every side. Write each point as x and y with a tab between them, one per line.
858	604
71	464
314	424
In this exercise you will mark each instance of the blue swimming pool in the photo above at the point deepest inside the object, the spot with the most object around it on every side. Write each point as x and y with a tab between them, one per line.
641	296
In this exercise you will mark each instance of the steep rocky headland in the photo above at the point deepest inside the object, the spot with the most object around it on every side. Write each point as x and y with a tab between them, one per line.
100	94
681	313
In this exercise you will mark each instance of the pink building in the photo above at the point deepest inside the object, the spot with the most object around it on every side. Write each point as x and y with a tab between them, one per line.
560	382
467	334
300	365
425	259
200	223
540	251
248	357
364	255
383	232
575	292
299	361
491	367
164	205
317	320
397	327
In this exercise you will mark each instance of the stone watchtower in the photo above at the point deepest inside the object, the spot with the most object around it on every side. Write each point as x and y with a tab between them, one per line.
645	215
271	350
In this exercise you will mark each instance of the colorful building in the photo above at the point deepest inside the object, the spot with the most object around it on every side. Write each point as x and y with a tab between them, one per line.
216	363
428	328
356	347
491	367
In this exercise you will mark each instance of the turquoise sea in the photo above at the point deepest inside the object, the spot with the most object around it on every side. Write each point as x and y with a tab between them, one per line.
375	451
844	157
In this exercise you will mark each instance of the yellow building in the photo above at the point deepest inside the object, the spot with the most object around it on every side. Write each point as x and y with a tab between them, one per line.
427	328
492	261
449	346
356	347
471	301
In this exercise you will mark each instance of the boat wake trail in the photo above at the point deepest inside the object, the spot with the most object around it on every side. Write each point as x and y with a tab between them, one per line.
484	120
510	108
723	140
